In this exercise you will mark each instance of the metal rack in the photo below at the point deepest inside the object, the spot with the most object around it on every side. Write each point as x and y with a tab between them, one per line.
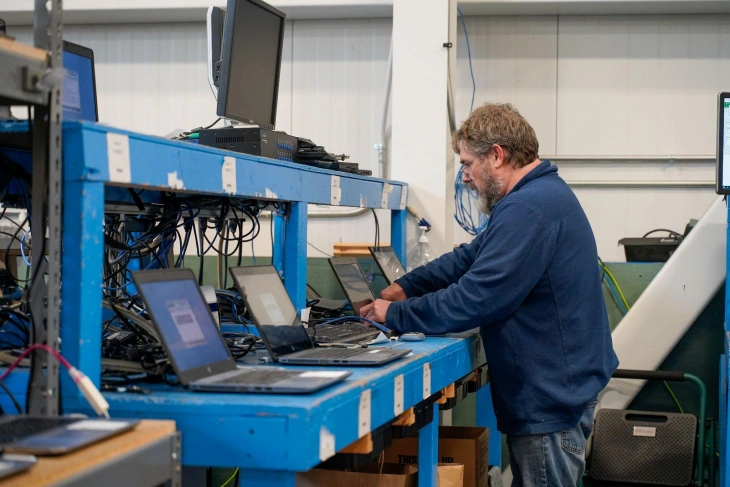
32	76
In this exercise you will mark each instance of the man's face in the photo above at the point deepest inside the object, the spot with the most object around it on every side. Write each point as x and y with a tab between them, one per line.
479	176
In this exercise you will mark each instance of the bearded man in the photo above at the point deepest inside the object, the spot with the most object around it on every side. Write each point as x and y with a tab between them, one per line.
530	281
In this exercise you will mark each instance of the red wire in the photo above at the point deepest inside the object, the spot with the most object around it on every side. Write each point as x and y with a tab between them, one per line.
28	351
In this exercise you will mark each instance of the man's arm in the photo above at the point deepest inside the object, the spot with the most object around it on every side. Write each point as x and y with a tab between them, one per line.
440	273
517	249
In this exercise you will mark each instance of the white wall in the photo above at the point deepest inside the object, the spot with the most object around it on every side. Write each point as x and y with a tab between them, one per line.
151	78
591	86
610	86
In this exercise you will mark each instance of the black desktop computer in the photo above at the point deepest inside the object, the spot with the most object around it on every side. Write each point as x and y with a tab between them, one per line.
252	140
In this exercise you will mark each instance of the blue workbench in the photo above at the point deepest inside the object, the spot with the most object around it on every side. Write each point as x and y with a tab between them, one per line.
269	437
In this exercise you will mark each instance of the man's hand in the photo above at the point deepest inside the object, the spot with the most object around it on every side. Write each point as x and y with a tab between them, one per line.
376	310
394	292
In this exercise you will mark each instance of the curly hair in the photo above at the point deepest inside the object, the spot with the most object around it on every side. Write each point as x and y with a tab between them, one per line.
502	124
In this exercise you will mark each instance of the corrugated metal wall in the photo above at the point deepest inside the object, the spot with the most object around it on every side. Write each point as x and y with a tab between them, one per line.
591	86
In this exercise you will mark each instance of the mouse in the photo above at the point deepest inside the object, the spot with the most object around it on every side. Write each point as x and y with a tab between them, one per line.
413	336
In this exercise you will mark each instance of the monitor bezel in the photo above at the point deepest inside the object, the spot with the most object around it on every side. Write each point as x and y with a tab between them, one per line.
721	98
87	53
226	53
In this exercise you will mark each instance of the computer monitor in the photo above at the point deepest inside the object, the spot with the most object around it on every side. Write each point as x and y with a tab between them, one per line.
723	144
215	20
253	38
79	83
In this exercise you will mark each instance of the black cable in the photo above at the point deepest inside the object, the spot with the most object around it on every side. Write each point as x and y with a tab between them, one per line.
202	223
670	232
271	232
12	398
377	228
209	126
314	291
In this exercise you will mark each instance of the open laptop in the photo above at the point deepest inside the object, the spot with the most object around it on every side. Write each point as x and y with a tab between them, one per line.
352	281
388	263
40	435
196	348
282	331
79	83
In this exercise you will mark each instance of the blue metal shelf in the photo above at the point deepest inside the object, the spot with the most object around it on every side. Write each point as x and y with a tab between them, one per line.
270	437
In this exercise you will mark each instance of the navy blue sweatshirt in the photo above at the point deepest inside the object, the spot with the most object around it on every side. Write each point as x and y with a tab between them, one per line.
531	282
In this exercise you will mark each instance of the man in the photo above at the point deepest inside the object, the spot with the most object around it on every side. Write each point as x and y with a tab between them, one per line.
531	282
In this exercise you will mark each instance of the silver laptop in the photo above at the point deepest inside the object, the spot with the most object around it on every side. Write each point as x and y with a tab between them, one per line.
196	348
40	435
282	331
10	464
388	263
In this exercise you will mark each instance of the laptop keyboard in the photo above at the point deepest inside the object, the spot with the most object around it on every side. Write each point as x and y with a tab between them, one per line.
260	377
22	427
341	332
334	352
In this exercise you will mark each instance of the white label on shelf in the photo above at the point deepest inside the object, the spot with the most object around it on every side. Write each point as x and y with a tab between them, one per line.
117	152
363	414
387	189
97	425
305	315
403	197
426	381
647	431
228	172
326	444
398	396
174	182
336	193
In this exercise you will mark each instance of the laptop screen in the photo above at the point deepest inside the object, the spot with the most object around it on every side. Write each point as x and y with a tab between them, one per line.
272	309
184	320
388	263
79	86
354	284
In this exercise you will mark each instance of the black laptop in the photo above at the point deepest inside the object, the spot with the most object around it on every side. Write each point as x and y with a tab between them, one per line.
196	348
282	331
352	281
389	263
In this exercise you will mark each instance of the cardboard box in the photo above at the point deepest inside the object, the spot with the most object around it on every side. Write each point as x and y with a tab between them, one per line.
372	475
391	475
464	445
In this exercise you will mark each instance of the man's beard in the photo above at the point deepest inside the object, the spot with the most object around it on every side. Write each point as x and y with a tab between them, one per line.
492	192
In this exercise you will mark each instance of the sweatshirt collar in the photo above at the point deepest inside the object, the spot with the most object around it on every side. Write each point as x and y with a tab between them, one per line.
543	169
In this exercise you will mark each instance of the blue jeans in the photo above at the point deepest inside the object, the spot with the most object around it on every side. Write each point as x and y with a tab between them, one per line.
553	459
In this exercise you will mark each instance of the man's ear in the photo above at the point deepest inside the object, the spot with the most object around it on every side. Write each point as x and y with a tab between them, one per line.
500	156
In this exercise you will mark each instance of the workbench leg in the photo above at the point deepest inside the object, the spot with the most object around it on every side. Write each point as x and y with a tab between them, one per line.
486	419
83	248
428	446
277	259
398	236
295	255
267	478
